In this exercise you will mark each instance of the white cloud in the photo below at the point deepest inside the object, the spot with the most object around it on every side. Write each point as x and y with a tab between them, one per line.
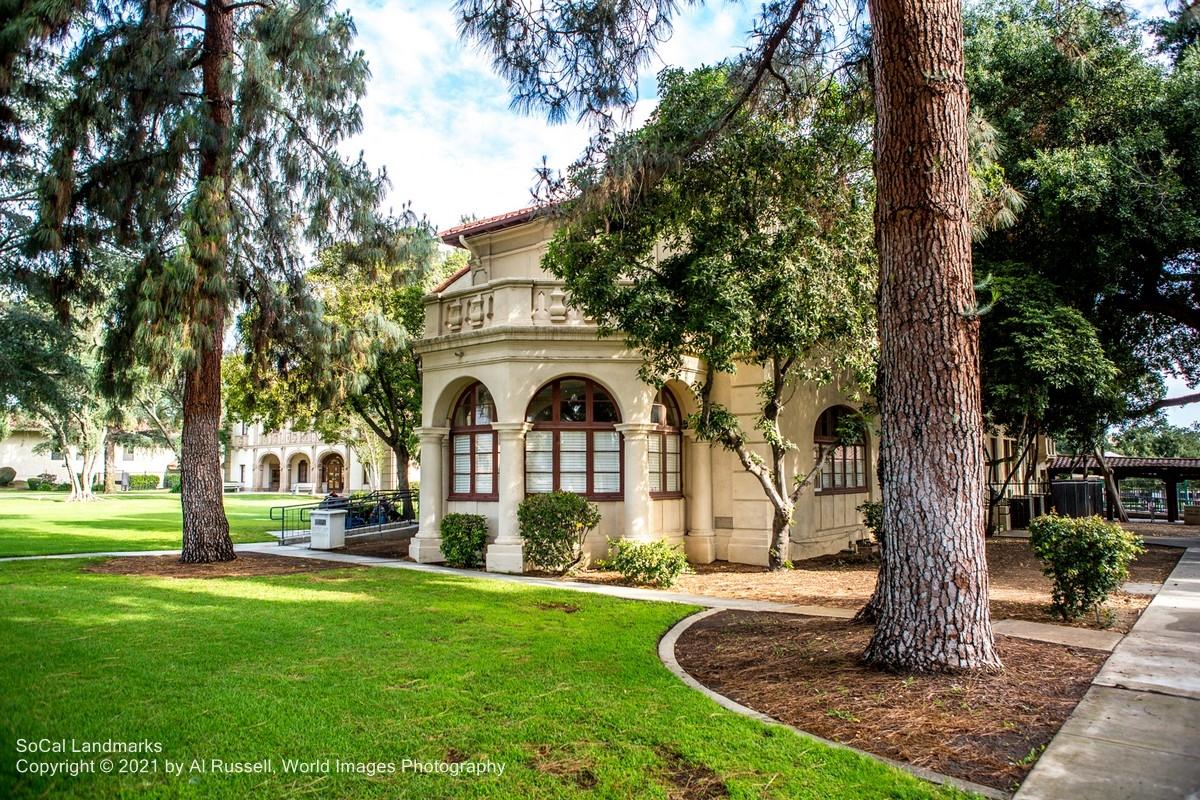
437	118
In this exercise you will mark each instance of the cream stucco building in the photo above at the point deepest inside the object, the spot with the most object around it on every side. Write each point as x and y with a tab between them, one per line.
521	395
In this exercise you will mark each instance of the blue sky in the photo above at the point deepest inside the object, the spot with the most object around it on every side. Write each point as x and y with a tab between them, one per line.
438	119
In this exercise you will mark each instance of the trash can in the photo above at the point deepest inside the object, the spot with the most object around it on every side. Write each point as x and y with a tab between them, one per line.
327	528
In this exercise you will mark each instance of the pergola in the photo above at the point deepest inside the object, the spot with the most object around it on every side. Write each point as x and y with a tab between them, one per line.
1168	470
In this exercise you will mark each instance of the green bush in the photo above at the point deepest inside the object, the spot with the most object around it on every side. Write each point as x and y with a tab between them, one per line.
65	486
174	482
141	482
36	484
654	563
1087	558
554	527
7	475
464	537
872	512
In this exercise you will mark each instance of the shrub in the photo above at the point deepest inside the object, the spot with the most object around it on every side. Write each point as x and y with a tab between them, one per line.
554	527
65	486
36	484
141	482
872	512
7	475
174	482
1087	558
654	563
463	538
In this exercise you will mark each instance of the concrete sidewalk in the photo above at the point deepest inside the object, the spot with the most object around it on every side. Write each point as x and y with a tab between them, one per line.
1136	733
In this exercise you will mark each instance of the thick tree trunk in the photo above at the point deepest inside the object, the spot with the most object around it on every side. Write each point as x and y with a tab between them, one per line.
205	527
110	461
932	612
403	459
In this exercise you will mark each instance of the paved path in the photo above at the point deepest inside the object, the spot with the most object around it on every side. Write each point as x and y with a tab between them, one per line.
1136	733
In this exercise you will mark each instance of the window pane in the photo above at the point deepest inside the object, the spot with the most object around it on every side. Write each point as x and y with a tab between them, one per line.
462	464
462	483
606	440
656	444
537	482
541	406
603	408
483	483
673	462
672	481
483	461
574	401
573	482
606	461
484	442
655	480
539	461
607	482
573	440
655	463
572	461
539	441
485	409
462	444
673	443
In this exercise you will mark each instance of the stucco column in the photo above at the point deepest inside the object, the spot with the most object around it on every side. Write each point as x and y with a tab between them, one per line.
637	480
285	471
426	546
507	552
701	541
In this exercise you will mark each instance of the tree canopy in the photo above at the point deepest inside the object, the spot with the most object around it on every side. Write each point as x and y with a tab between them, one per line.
755	249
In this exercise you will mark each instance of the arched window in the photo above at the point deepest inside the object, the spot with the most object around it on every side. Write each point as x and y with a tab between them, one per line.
845	468
574	445
473	446
666	447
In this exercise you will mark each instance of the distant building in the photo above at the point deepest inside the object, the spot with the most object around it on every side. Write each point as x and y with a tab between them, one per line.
299	461
20	451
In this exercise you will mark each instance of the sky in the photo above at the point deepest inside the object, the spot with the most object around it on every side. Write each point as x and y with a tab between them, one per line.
438	119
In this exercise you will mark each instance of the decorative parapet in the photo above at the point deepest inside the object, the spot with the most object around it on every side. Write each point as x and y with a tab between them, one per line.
507	301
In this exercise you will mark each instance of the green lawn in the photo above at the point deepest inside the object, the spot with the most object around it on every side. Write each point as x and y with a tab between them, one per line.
380	665
41	523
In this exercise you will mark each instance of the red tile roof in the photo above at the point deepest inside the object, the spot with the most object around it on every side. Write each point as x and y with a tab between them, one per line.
489	224
458	273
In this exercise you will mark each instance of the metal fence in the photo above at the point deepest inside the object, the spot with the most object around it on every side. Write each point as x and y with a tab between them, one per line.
364	511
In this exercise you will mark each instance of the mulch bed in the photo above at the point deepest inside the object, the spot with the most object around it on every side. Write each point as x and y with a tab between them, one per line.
245	565
806	672
1017	587
1161	528
379	548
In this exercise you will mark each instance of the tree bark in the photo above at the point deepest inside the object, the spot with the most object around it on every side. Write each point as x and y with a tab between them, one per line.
1110	485
110	460
403	459
205	527
932	612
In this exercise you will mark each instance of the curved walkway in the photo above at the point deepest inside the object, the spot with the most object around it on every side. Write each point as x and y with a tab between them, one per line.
666	652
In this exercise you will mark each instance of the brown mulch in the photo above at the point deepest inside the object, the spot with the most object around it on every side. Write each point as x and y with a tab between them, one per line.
245	565
806	672
1164	529
1017	587
379	548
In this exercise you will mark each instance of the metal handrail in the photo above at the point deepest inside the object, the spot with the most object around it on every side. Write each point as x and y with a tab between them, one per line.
375	508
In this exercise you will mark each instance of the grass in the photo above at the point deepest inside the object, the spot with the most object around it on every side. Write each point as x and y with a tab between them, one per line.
43	523
381	665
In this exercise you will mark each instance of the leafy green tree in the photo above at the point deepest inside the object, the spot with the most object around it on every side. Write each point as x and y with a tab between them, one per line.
201	140
1100	137
765	236
1159	439
49	372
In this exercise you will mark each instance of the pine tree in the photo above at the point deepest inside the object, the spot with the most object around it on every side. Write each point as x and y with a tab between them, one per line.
199	138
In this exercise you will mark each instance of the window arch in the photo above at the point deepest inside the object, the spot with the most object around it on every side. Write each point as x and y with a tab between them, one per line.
844	470
574	445
666	447
473	446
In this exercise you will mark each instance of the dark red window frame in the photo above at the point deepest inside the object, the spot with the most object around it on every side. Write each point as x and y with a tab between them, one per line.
589	424
844	456
663	431
470	399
